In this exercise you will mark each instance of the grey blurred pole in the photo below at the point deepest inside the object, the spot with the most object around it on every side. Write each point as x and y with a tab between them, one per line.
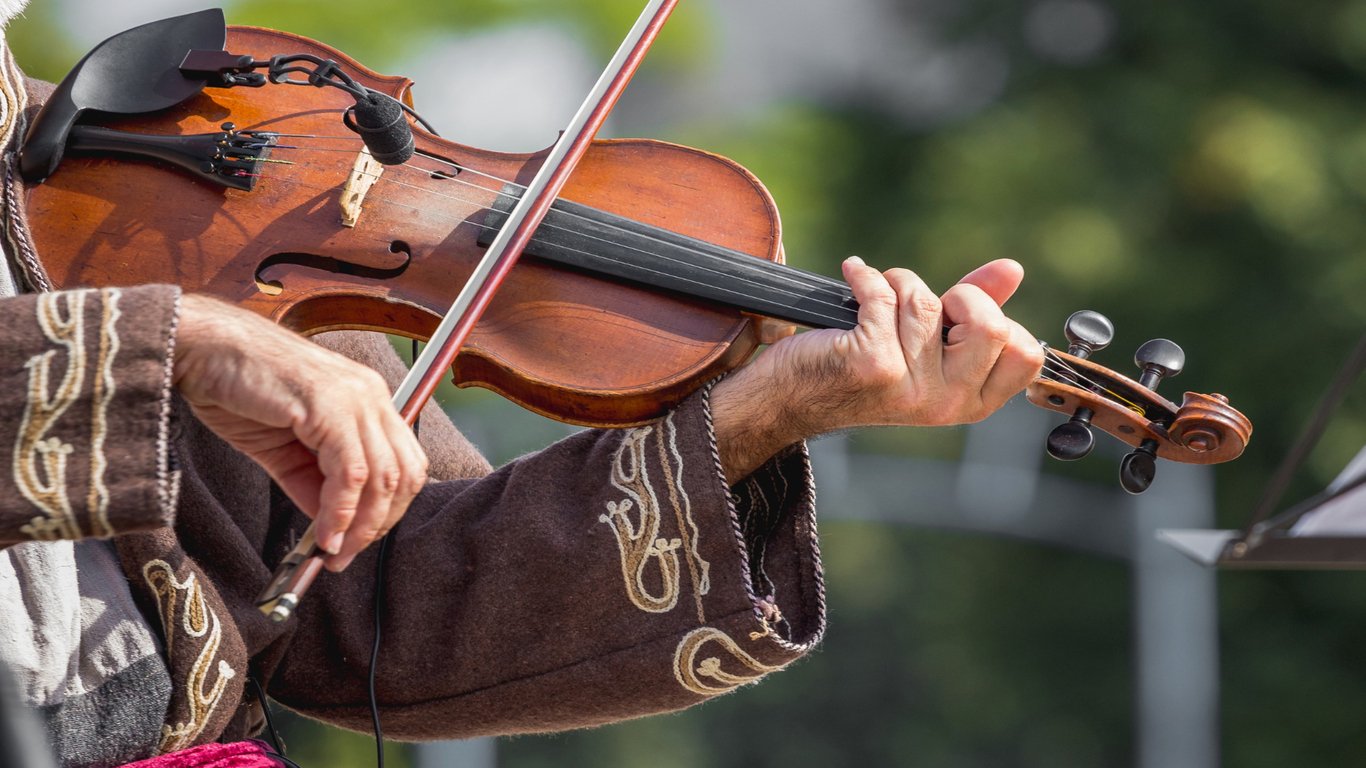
1176	626
472	753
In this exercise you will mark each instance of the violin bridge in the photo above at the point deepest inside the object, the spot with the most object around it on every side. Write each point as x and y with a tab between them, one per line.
364	173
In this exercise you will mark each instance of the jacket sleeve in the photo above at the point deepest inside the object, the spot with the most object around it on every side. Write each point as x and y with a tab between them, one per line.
85	383
613	575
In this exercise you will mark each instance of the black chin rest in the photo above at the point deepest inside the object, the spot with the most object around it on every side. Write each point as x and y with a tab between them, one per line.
131	73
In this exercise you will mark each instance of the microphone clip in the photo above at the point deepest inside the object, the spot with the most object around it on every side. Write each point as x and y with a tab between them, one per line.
377	117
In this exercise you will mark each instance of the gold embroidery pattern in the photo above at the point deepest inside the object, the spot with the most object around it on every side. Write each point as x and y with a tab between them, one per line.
40	466
699	569
639	540
194	620
98	502
641	544
39	460
706	675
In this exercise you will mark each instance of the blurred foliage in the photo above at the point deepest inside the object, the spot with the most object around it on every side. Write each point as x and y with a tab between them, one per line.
40	42
1201	178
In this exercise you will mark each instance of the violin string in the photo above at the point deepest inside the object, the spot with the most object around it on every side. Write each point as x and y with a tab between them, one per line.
738	292
836	291
1058	366
833	302
791	275
771	273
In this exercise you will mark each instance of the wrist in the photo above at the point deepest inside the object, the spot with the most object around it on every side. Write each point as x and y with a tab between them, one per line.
209	337
752	421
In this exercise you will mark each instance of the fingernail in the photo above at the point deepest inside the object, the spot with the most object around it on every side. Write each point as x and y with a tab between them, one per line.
333	544
856	261
337	565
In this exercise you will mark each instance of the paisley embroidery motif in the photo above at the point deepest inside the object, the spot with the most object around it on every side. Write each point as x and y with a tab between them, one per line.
709	675
185	614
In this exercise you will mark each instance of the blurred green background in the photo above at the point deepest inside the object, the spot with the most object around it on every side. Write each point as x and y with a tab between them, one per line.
1196	171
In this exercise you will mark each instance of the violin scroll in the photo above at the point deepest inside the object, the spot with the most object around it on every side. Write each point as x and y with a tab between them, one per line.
1204	429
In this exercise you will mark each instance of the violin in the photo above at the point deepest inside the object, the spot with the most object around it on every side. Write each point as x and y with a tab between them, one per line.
659	268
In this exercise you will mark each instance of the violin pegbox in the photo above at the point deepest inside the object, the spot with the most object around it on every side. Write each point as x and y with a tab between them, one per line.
1204	429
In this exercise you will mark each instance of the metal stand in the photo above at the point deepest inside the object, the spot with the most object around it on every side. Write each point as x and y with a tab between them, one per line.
1285	541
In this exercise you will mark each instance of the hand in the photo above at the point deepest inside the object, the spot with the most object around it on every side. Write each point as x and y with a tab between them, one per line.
893	368
321	425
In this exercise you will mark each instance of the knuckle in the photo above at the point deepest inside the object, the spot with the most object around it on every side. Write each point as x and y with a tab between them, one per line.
924	303
882	296
390	479
342	517
354	474
371	378
416	482
997	330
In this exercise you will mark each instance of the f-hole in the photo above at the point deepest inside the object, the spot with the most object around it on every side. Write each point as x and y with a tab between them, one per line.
329	264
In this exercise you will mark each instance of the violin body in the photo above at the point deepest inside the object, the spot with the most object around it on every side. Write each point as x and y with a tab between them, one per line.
567	344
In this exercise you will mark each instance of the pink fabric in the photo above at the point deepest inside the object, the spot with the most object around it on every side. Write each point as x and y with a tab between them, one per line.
239	754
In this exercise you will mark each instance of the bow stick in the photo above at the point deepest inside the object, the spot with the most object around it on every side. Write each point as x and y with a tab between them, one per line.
303	563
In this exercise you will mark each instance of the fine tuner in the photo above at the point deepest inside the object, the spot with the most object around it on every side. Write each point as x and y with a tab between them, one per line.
1203	430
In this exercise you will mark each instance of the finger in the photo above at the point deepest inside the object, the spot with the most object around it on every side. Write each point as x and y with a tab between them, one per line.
1017	366
382	482
294	468
997	279
345	471
978	334
412	463
877	303
920	321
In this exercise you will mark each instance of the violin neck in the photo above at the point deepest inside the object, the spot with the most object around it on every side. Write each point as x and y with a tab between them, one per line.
595	241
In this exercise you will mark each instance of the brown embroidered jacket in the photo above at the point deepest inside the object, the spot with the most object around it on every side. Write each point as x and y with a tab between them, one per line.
609	576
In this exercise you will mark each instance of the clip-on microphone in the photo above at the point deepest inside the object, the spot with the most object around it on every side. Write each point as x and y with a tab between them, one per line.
377	117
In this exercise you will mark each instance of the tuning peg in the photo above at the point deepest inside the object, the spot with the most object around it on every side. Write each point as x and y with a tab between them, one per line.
1158	359
1137	469
1087	332
1072	440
